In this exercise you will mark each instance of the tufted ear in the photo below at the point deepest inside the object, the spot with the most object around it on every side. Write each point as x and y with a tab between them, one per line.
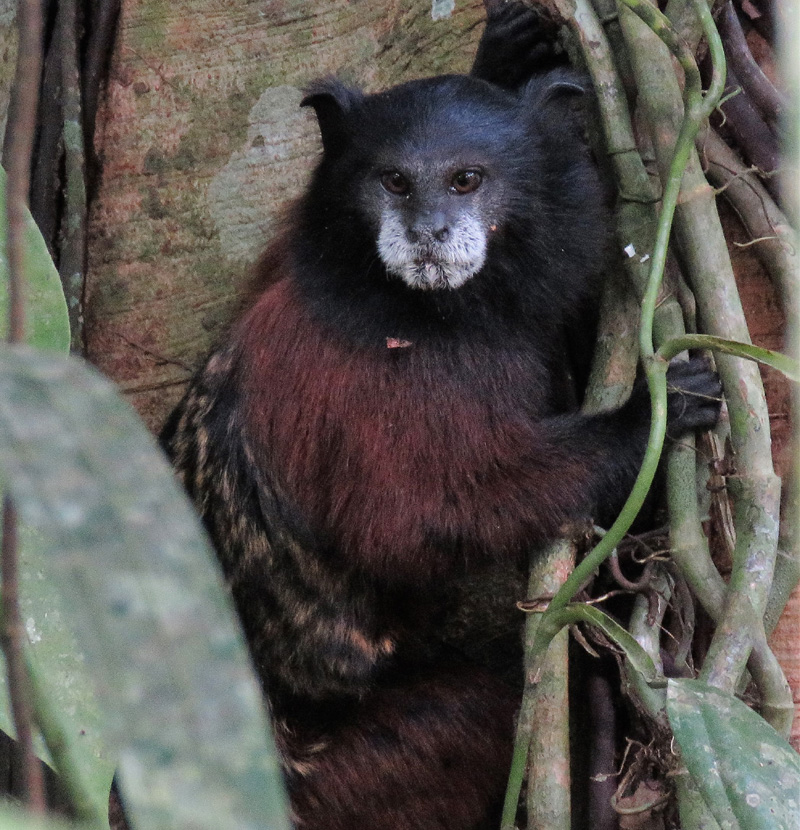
334	103
554	86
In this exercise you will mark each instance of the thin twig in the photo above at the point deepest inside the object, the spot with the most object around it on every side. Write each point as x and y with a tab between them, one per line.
102	26
757	142
72	265
153	387
755	241
19	145
159	356
13	635
757	85
641	584
759	214
22	122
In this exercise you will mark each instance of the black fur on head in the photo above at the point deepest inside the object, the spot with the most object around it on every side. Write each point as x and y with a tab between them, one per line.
394	212
332	101
556	85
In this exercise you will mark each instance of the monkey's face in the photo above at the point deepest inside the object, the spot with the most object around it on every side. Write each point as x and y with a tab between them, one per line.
432	224
428	169
433	193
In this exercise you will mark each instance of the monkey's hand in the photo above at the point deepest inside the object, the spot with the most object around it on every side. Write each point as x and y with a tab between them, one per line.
517	42
694	396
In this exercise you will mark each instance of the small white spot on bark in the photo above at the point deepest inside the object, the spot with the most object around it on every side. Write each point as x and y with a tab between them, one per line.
441	9
30	628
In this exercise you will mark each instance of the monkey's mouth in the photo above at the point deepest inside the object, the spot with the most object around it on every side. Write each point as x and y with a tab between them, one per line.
432	273
429	272
429	263
436	265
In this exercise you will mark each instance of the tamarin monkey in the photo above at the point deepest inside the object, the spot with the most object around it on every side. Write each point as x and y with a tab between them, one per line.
391	414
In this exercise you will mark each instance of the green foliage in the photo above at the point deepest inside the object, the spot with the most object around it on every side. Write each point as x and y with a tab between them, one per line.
638	659
61	670
783	363
12	819
749	776
47	322
733	801
140	585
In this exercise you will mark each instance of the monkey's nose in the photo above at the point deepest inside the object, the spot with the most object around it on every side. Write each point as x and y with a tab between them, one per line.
429	228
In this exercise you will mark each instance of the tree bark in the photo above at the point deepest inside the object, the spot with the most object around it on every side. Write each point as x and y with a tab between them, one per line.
203	143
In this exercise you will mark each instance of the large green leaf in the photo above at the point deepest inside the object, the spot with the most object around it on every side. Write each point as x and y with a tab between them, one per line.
13	819
748	774
46	319
61	670
140	583
52	649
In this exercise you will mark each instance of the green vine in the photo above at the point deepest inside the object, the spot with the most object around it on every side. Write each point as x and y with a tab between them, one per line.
559	612
697	109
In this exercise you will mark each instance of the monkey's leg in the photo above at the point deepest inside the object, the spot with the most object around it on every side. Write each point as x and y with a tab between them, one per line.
428	752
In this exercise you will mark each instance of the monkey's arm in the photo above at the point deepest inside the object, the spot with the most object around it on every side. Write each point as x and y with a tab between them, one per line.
507	483
612	444
517	43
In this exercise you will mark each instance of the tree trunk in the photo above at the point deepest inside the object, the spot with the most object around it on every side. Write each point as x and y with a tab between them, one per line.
203	143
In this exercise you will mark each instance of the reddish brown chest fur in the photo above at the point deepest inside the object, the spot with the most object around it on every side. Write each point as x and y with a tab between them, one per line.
411	461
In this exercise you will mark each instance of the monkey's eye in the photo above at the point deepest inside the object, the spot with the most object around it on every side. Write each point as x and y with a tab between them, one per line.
395	183
466	181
